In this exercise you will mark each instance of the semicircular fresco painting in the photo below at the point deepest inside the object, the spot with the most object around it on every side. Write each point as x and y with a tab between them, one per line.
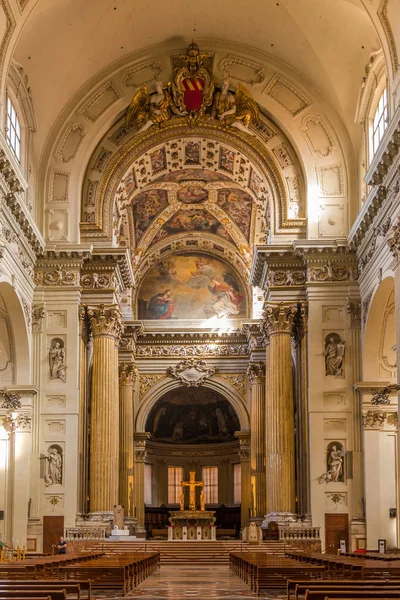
192	286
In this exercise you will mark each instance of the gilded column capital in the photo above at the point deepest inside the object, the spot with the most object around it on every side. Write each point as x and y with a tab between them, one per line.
140	445
128	374
279	317
106	320
256	373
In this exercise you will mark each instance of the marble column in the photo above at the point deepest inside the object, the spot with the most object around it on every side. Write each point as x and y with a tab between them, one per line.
303	457
140	455
85	344
256	375
127	377
244	453
104	439
280	454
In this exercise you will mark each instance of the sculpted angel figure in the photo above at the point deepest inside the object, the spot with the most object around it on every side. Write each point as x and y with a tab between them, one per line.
148	110
235	110
54	475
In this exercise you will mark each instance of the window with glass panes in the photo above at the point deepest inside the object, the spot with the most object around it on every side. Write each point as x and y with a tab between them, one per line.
175	478
210	477
13	130
380	120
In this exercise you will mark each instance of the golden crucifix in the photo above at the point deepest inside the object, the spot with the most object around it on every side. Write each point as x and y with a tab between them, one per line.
192	484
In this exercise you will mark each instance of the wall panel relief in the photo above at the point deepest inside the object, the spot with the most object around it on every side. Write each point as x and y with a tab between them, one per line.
317	135
59	182
100	101
286	94
70	142
331	220
242	70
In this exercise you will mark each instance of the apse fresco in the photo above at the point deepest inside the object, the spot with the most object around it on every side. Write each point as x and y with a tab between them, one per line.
192	286
192	192
238	205
146	206
192	416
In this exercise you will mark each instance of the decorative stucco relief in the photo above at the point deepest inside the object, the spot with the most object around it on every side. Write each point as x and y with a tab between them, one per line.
70	142
100	101
286	94
317	135
243	70
142	73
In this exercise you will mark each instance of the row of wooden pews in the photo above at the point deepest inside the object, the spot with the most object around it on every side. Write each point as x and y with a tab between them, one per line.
75	575
350	567
342	588
117	572
263	571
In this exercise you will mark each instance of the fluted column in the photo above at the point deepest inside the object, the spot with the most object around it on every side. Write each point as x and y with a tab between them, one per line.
303	460
127	377
280	455
256	375
244	453
140	455
85	343
104	443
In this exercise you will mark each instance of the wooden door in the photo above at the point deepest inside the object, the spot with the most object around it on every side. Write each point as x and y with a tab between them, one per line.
336	529
53	527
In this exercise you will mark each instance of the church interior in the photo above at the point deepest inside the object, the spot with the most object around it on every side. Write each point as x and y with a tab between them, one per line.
199	279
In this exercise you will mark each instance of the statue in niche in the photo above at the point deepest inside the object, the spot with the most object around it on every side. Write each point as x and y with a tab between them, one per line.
235	110
151	109
334	354
334	463
57	359
54	468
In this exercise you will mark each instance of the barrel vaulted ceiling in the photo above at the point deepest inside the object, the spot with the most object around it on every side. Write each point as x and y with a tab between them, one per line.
66	43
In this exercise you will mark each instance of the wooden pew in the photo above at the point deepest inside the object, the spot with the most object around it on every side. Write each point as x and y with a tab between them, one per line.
53	594
85	586
360	593
73	590
296	587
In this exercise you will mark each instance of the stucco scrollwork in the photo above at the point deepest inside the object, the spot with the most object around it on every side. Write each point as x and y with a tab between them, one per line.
381	395
56	277
238	381
284	278
191	372
10	401
373	419
329	272
97	281
148	381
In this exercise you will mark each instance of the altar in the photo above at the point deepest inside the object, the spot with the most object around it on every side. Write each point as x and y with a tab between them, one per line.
192	524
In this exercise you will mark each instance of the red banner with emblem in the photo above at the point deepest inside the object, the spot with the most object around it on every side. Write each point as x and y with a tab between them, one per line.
193	93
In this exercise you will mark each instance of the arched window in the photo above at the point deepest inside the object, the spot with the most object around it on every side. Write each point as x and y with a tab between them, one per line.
380	121
13	130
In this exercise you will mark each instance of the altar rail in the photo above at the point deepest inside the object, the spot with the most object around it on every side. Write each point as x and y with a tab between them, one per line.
85	533
296	532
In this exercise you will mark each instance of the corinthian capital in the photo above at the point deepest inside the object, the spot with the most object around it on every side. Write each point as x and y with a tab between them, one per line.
393	241
106	320
279	316
127	374
256	372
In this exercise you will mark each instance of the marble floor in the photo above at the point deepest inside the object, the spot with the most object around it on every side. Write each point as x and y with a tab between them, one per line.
205	582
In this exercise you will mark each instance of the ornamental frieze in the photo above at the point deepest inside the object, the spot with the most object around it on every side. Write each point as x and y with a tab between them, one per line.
56	277
200	350
286	278
331	271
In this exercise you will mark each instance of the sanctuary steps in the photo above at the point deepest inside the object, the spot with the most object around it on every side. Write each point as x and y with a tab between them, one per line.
190	552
